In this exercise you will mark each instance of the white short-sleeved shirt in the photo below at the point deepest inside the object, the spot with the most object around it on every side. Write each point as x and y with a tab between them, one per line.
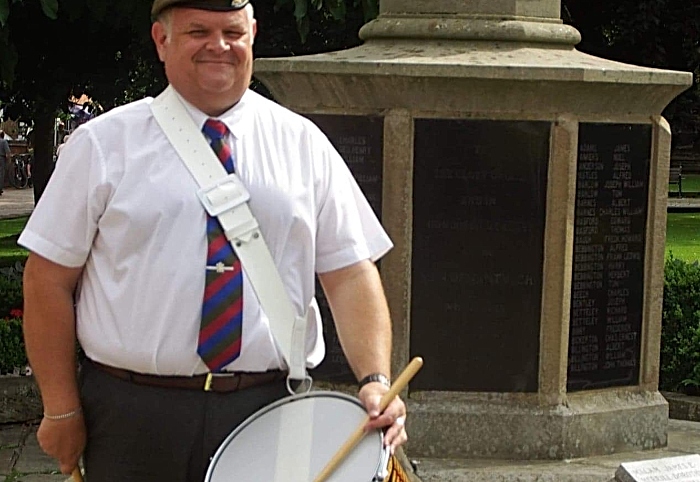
122	204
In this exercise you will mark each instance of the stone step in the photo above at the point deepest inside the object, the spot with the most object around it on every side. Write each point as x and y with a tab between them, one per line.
683	439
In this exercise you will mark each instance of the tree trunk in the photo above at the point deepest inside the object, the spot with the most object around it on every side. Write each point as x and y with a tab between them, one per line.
43	153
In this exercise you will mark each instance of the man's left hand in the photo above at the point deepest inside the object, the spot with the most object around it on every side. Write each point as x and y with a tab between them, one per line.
393	418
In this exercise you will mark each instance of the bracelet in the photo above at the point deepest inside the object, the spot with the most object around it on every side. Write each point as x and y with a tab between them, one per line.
375	377
63	416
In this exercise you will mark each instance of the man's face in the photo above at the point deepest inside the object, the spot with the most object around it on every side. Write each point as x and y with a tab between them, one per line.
208	55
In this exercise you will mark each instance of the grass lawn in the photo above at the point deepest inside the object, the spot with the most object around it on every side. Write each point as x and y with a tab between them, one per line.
683	229
683	236
9	232
691	186
691	183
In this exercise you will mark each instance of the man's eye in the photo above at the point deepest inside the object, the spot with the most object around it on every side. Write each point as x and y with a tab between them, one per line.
197	33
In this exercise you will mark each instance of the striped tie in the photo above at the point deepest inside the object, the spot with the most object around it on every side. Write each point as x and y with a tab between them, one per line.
222	310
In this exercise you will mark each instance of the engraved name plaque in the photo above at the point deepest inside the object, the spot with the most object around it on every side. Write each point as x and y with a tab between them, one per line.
608	267
684	468
478	231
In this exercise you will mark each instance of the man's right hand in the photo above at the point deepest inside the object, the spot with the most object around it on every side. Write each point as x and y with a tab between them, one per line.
63	440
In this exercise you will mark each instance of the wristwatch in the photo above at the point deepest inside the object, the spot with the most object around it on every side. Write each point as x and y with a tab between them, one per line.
375	377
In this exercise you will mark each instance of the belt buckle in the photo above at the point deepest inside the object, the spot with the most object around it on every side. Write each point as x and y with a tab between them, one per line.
207	382
210	379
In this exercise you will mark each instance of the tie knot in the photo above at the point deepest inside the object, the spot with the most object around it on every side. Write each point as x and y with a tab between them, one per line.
215	129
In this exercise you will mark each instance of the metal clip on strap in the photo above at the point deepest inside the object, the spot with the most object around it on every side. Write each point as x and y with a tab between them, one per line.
223	195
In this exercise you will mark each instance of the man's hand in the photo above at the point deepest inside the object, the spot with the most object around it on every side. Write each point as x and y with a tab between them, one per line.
393	418
63	440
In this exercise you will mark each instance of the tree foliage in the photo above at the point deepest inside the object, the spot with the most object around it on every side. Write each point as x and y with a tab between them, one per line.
323	26
336	9
651	33
52	49
73	46
58	49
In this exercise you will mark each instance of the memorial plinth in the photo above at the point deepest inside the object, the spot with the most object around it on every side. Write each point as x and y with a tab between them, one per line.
524	184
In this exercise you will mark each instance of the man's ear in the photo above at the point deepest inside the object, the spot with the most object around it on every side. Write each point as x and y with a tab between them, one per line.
160	37
254	28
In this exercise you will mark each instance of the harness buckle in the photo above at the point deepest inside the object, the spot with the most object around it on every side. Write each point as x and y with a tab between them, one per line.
223	195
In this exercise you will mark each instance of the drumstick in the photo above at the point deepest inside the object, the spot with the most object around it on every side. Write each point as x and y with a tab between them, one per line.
398	385
76	475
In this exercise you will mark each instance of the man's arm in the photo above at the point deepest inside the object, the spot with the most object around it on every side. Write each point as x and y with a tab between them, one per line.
356	297
49	331
49	335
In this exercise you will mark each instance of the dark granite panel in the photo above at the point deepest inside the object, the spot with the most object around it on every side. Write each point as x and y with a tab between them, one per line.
607	289
478	233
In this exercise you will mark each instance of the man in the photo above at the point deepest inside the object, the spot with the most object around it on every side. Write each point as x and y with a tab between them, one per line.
5	155
118	255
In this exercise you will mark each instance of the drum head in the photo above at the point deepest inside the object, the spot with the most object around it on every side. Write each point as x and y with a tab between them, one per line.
293	439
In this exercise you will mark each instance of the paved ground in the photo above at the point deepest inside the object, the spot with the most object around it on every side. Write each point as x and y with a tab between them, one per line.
683	439
685	203
16	202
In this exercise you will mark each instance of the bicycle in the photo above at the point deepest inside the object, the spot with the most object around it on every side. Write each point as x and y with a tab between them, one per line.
19	172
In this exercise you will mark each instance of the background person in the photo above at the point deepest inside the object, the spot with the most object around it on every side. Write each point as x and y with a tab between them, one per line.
60	146
120	232
5	156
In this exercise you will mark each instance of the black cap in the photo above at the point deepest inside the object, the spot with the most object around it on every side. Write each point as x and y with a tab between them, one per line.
217	5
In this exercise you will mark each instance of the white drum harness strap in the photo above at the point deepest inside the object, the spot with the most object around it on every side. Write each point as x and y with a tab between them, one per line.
224	196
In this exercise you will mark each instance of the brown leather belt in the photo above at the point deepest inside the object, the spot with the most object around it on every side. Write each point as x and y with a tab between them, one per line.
214	382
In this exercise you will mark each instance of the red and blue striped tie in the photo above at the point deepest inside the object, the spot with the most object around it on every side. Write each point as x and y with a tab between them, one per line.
222	310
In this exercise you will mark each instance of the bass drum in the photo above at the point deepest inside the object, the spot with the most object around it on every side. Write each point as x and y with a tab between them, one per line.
293	439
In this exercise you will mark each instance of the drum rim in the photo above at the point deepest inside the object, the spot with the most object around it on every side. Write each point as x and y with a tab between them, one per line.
319	393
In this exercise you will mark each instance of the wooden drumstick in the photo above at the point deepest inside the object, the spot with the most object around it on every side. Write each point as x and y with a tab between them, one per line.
398	385
77	476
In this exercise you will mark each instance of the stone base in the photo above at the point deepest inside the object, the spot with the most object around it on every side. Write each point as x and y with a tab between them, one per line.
496	427
683	407
19	400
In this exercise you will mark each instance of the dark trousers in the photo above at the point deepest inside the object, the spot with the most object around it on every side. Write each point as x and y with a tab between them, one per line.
138	433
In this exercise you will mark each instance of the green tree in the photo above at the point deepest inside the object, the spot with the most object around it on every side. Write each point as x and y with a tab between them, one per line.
52	49
316	16
651	33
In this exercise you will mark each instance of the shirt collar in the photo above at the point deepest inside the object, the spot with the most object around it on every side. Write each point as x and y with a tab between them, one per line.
233	118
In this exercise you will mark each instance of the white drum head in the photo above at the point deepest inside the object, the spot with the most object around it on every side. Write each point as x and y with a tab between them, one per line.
293	439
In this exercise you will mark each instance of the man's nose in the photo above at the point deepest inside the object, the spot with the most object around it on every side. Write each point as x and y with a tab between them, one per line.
218	43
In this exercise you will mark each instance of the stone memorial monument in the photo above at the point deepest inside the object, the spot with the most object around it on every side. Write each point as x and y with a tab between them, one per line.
524	184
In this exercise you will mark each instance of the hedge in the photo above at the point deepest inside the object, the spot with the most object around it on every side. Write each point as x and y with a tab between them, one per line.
680	332
12	353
